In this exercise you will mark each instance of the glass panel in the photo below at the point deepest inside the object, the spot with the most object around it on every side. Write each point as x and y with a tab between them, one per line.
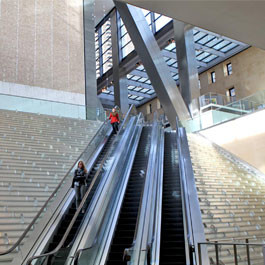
221	44
202	56
213	42
161	22
46	107
209	58
171	46
229	47
199	35
215	115
207	38
127	49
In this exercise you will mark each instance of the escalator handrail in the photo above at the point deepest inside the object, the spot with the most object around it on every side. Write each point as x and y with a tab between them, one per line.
156	238
95	241
59	246
102	198
193	219
43	208
143	238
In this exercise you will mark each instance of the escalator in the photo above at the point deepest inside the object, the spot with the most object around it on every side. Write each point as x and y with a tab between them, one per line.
172	250
61	256
126	225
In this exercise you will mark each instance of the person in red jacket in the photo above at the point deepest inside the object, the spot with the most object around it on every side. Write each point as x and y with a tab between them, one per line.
114	120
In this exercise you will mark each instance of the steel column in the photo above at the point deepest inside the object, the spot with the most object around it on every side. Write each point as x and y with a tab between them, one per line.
119	83
91	99
154	63
187	64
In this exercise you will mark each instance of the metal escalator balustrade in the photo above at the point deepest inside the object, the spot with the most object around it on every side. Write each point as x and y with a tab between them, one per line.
172	236
61	256
89	236
99	243
145	248
41	258
125	228
192	217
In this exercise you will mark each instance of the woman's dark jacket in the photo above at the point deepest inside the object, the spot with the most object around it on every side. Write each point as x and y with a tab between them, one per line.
79	176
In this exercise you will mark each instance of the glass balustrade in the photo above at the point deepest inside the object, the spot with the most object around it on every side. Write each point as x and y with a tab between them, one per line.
213	111
39	106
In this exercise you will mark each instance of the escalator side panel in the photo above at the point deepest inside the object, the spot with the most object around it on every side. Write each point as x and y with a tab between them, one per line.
63	253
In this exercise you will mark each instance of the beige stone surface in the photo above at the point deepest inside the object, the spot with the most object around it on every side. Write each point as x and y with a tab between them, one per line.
244	137
248	74
41	43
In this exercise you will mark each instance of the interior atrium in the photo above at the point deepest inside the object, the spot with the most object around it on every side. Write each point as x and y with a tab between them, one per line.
132	132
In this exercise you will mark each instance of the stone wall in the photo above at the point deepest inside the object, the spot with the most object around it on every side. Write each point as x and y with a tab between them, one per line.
247	78
41	44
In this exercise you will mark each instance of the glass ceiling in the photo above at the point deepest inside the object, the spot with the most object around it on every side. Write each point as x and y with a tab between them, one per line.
211	49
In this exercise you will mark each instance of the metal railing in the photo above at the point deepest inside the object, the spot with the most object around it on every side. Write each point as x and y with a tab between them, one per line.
146	244
194	229
61	243
97	249
53	195
235	246
143	235
154	256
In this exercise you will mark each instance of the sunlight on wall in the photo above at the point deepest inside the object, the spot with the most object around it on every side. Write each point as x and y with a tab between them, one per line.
244	137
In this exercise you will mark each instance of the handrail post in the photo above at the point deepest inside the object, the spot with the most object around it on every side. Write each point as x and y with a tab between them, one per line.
235	254
216	252
248	254
200	254
263	251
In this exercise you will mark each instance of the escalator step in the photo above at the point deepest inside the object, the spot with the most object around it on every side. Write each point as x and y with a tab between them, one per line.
172	249
125	228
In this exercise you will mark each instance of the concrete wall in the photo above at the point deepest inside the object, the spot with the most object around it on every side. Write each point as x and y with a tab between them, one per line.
247	78
42	44
244	137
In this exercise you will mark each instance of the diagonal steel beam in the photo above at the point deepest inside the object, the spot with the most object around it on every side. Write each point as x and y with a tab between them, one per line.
154	63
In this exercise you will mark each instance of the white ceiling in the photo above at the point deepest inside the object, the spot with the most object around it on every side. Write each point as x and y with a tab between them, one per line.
102	8
237	19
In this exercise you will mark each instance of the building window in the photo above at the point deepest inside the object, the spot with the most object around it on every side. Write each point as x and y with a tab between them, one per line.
232	92
213	79
150	108
229	69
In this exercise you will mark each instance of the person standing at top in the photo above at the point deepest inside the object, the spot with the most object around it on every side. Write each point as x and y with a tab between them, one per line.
79	182
114	120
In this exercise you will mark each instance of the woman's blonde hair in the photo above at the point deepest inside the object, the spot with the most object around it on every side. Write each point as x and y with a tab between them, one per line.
83	166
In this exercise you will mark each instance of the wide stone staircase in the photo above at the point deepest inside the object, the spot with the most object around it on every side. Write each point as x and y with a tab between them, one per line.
36	151
232	201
